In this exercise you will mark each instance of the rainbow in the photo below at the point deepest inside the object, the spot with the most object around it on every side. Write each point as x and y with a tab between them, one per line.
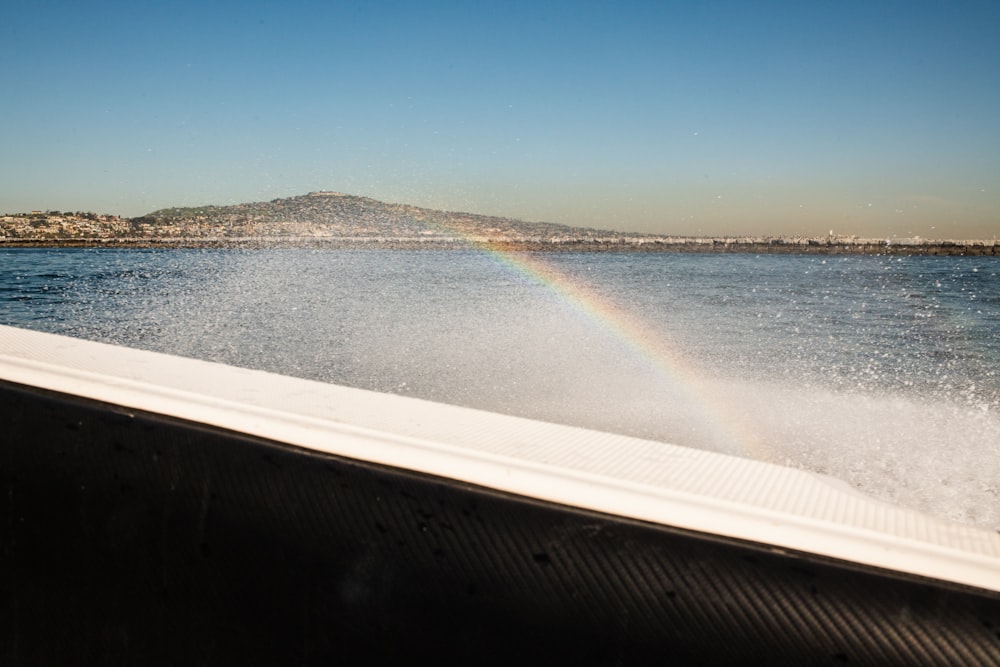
715	411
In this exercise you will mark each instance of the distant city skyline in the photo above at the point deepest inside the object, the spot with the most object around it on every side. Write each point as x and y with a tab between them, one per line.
877	119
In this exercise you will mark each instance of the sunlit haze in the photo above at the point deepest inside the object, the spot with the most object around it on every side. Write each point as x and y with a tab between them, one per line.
719	118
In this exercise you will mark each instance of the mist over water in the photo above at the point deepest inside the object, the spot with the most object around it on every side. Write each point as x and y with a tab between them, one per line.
879	371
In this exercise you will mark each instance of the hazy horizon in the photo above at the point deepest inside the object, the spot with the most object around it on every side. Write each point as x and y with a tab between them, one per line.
876	119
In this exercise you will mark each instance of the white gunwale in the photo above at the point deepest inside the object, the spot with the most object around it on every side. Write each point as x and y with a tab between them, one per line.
706	492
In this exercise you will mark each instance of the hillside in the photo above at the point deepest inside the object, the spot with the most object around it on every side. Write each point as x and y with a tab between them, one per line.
336	215
332	219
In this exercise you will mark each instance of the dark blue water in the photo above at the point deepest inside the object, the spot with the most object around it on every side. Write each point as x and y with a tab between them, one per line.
882	371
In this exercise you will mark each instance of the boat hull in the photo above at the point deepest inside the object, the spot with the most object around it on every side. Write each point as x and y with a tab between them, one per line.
135	537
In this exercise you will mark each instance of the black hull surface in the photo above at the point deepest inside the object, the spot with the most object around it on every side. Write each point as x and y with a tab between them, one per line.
135	538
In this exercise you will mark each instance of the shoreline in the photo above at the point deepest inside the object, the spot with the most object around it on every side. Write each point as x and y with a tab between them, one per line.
777	245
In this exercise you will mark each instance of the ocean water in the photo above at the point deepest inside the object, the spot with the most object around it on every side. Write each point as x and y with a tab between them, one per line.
881	371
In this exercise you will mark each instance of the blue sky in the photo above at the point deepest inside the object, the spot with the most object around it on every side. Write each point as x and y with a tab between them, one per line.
870	118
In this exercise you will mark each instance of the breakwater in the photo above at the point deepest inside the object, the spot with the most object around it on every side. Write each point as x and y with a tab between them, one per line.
645	243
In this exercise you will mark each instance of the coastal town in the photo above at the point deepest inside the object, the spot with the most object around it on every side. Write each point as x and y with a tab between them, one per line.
333	219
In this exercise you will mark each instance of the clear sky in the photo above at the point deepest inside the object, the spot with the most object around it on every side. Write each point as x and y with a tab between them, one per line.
870	118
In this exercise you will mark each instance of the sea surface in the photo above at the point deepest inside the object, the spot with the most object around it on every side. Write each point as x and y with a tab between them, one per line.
881	371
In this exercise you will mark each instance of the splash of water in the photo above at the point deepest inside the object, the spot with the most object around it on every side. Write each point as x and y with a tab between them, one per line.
730	430
529	335
894	447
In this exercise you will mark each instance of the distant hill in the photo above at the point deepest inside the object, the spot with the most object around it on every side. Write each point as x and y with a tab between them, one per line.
336	215
333	219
